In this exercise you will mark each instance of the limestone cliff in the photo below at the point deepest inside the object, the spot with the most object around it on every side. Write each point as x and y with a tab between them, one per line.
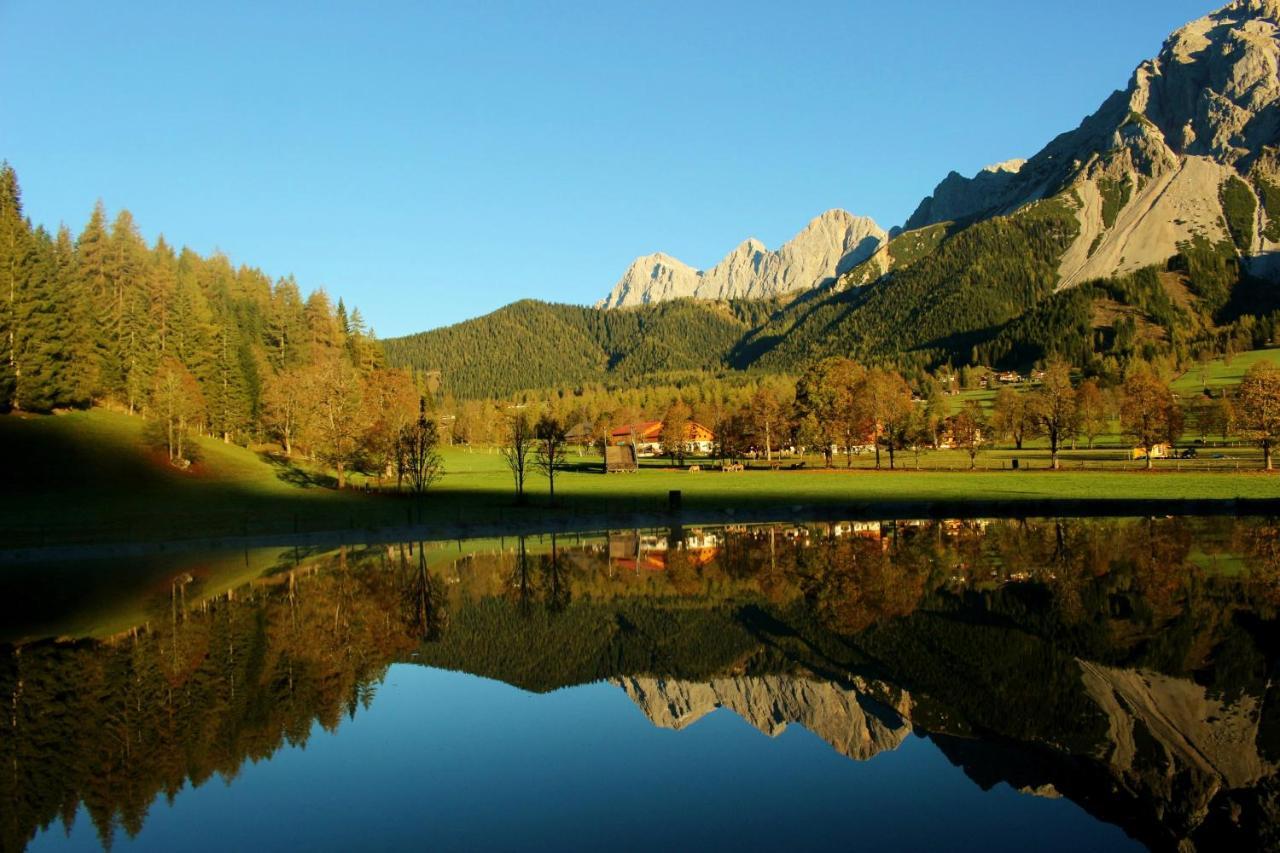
829	245
1149	170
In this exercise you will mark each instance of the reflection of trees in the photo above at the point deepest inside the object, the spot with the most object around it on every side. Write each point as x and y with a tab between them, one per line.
1259	542
112	724
856	583
555	582
984	623
422	600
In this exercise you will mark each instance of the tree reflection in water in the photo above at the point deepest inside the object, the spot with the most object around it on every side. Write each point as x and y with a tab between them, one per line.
1126	664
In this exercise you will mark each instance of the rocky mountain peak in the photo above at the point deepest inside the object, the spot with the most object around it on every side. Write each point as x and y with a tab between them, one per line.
827	246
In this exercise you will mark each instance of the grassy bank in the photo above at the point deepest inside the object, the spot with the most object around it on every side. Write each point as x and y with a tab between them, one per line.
88	478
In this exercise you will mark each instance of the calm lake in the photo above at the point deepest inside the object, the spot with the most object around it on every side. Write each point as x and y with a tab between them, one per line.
998	685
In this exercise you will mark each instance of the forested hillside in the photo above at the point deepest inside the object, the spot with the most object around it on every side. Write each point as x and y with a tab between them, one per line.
984	294
194	343
532	344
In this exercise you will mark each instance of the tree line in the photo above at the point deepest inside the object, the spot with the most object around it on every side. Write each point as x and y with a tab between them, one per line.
198	346
838	406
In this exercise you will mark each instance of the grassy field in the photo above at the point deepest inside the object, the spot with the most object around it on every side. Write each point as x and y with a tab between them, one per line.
87	478
1219	374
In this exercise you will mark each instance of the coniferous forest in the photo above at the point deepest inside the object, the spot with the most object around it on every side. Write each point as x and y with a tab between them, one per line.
195	343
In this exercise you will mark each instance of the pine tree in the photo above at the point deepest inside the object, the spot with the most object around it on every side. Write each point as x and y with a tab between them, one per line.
14	237
125	310
284	332
46	332
92	247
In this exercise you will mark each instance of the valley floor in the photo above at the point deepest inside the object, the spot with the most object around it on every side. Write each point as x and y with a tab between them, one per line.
85	478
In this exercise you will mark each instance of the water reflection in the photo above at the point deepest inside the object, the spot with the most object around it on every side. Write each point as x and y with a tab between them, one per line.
1124	664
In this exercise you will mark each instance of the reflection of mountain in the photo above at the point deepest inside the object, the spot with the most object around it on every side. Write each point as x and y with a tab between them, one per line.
1104	661
853	723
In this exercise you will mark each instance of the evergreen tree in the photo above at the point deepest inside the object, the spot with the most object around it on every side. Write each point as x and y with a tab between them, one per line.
48	332
14	237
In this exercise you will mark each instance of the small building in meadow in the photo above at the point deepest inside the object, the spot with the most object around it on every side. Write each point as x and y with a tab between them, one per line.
620	459
580	435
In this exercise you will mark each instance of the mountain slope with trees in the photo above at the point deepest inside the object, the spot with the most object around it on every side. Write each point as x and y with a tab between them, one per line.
1150	231
531	344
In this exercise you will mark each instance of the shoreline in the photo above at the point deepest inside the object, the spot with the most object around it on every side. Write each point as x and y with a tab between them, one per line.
553	522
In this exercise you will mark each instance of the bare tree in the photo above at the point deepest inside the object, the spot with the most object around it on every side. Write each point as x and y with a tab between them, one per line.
417	456
549	434
516	449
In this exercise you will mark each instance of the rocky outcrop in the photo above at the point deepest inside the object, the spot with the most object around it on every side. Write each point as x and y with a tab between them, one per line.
958	197
852	722
1146	171
829	245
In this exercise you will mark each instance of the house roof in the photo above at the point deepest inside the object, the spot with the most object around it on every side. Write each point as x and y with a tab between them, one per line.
641	429
652	431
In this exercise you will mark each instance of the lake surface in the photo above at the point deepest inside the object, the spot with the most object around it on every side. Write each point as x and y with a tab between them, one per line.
996	685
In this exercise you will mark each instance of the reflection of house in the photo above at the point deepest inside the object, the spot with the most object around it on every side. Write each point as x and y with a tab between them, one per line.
1160	451
649	551
647	438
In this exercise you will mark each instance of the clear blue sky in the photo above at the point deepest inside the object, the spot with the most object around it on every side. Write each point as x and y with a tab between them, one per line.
431	162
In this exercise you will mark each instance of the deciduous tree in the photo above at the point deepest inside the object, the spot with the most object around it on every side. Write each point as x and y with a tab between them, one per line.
1149	414
1010	416
676	425
176	400
1053	408
966	428
766	414
1258	408
884	401
1094	413
334	397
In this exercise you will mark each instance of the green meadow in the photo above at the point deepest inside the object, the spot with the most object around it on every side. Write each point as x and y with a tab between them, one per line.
88	477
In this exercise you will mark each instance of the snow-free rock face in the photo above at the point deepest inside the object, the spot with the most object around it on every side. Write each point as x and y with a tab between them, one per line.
1146	175
854	724
829	245
958	197
1146	172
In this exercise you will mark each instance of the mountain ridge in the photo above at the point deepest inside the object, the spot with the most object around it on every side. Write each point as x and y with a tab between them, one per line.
830	244
1150	229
